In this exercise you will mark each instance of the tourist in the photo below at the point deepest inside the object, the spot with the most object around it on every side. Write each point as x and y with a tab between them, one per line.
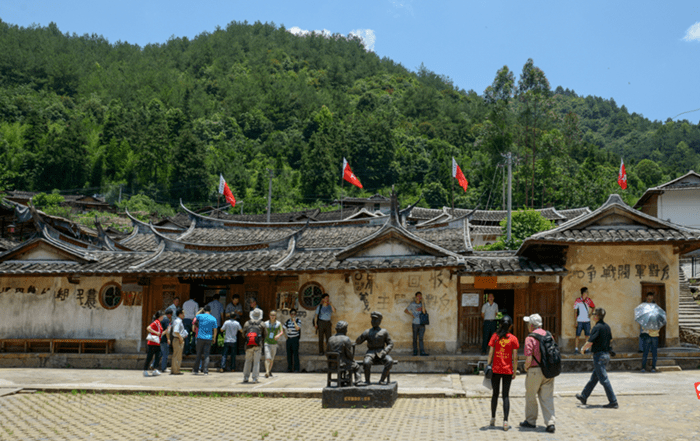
292	327
254	334
599	342
503	353
206	335
273	332
583	306
489	312
536	384
190	308
155	332
178	334
322	321
415	309
230	329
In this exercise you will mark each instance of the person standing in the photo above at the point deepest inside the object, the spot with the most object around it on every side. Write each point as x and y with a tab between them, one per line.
234	307
190	308
650	340
488	313
536	384
254	334
206	335
173	308
165	340
415	309
599	342
155	332
230	328
178	334
322	321
582	307
273	332
503	353
292	328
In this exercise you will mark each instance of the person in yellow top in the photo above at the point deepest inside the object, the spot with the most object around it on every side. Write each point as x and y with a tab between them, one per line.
650	340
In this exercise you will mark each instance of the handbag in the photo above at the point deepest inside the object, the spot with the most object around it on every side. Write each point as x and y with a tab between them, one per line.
153	338
424	318
488	372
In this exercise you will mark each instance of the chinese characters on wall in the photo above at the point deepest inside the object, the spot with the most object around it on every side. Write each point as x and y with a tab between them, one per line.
612	272
364	285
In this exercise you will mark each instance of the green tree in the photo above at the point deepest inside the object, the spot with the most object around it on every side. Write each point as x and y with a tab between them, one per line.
524	223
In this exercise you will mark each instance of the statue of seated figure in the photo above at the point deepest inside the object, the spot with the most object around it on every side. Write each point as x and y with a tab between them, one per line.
379	345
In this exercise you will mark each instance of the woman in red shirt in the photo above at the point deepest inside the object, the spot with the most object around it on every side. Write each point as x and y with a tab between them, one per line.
155	329
503	353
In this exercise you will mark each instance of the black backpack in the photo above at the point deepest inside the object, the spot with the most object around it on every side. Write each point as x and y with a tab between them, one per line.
550	353
255	334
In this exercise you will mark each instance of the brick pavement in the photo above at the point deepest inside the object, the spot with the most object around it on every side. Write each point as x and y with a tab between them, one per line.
662	407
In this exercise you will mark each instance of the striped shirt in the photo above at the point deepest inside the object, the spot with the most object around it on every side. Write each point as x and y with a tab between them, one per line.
291	330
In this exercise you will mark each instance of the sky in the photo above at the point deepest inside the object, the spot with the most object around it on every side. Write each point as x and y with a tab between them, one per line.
643	54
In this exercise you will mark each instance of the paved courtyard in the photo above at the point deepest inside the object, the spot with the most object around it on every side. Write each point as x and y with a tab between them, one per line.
661	406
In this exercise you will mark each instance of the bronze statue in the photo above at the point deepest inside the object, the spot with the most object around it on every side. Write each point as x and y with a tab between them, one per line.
379	345
342	344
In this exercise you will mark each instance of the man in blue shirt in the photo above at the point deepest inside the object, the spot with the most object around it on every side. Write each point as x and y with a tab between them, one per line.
206	334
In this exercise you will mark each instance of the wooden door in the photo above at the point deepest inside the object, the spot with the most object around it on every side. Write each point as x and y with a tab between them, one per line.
659	290
470	325
538	298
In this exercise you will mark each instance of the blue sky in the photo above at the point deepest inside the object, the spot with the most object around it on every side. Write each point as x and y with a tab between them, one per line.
643	54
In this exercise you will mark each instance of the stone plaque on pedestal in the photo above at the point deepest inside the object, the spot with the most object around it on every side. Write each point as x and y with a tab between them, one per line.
361	397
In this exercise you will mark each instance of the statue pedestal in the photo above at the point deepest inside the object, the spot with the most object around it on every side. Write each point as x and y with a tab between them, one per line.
360	397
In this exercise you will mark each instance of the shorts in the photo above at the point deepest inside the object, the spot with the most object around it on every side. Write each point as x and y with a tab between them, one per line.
270	351
583	326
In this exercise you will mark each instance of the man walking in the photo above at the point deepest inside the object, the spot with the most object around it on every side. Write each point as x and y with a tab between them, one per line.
536	384
582	306
600	340
254	335
488	314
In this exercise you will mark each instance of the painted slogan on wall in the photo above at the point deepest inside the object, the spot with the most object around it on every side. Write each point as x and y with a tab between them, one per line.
384	298
86	297
620	272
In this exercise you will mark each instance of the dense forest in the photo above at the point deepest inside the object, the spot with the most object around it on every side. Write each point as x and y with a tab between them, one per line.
83	115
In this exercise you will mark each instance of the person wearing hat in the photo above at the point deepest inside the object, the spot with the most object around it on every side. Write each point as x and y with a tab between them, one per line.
253	333
536	384
342	344
379	345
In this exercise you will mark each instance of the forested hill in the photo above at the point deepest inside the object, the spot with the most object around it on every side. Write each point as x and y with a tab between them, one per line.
78	113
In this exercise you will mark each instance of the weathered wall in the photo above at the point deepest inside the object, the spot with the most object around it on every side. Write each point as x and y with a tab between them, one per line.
51	307
613	275
389	293
680	207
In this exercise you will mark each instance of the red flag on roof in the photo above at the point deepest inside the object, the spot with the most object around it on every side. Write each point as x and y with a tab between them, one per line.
348	175
224	190
622	176
457	174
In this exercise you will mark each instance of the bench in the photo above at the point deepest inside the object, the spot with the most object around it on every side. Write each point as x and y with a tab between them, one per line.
56	345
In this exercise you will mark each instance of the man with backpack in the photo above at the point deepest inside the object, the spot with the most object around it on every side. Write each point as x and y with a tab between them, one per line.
540	359
600	340
253	334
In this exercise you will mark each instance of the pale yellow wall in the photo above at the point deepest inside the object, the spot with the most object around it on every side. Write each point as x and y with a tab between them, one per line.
49	307
390	294
620	296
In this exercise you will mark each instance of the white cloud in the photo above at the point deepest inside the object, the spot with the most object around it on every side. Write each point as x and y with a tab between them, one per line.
403	4
693	33
367	36
296	30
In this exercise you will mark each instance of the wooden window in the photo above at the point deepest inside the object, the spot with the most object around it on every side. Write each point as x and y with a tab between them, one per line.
310	295
111	296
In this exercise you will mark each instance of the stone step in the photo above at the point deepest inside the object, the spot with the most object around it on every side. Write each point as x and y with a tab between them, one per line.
668	368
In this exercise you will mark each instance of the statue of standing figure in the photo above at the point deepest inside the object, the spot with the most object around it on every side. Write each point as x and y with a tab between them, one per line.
379	345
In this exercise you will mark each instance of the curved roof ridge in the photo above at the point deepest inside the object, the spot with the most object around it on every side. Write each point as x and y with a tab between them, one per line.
156	254
189	231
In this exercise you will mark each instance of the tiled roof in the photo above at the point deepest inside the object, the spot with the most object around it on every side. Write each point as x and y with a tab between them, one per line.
141	242
573	213
449	238
499	215
334	237
614	222
514	264
239	236
420	213
690	180
485	230
7	244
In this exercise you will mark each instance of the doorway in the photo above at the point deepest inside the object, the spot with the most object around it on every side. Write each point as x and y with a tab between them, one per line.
659	291
504	298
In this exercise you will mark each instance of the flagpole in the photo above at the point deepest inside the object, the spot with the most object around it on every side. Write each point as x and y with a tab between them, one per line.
341	198
453	196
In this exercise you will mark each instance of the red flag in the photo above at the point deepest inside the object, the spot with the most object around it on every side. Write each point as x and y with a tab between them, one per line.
348	175
622	176
224	190
457	174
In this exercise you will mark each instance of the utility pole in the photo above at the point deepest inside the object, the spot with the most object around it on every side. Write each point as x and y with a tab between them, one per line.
269	195
510	193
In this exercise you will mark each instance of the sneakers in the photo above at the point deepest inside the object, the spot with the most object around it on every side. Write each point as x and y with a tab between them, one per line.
575	350
581	398
643	370
221	370
505	426
613	405
267	375
245	380
156	373
424	354
653	371
550	429
415	353
493	422
525	424
145	374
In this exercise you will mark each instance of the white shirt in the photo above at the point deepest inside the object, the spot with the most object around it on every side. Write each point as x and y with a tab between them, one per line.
190	308
489	311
